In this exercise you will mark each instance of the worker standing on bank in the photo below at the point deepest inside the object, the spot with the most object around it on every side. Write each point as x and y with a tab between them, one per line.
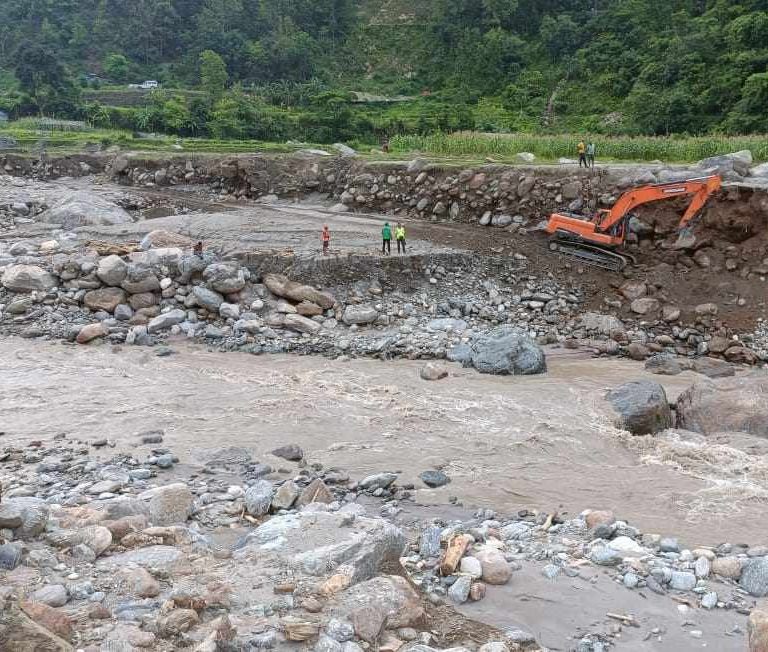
326	240
582	149
591	150
386	240
400	236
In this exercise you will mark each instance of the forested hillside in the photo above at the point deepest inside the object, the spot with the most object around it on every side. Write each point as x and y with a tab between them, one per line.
285	68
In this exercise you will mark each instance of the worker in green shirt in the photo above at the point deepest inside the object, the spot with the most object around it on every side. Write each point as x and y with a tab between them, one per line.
386	237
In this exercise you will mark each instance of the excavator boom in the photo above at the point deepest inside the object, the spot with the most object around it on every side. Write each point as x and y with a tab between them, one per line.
608	228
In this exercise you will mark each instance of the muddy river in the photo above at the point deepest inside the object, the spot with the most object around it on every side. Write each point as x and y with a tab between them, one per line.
543	442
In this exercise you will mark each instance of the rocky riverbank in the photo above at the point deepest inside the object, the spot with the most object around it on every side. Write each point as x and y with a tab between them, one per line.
132	551
59	282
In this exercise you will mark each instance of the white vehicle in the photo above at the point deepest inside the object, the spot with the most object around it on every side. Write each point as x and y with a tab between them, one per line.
149	84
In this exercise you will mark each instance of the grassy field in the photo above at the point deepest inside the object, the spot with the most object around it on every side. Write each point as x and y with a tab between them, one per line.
131	97
553	147
32	137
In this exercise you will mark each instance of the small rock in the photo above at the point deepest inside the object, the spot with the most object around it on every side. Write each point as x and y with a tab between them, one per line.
291	452
434	479
378	481
459	590
54	595
258	498
433	371
683	581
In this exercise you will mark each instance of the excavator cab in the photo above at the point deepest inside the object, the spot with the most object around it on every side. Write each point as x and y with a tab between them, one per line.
593	240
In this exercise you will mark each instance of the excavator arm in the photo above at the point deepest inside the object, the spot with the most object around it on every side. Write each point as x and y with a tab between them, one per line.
701	189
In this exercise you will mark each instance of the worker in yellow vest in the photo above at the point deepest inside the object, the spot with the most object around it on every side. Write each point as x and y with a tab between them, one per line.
400	236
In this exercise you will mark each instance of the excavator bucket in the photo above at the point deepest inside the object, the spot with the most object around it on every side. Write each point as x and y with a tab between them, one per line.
686	238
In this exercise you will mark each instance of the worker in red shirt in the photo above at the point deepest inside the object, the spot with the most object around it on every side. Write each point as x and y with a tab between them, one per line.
326	240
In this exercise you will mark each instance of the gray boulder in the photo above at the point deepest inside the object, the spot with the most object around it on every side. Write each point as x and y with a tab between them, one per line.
738	162
258	497
726	405
28	278
207	299
360	315
603	324
34	516
282	286
224	278
506	351
664	364
713	368
754	577
301	324
85	209
166	320
170	504
112	270
313	542
642	407
140	279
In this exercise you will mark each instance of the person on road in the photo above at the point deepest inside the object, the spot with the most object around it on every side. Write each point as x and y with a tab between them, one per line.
326	240
582	149
198	249
386	240
400	236
591	150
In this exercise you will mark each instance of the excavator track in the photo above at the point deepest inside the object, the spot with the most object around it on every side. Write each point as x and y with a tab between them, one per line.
590	254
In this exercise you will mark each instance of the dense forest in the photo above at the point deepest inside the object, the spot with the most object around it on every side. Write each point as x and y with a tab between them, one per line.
322	69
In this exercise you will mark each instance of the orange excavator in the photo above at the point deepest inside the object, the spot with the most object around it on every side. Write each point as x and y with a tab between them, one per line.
592	238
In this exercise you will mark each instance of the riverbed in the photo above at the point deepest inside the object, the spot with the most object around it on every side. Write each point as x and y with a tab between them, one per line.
546	442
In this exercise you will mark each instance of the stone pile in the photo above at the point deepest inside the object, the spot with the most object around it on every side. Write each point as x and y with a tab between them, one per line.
145	296
126	554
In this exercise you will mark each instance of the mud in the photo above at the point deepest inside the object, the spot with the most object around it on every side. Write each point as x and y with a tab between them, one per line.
507	443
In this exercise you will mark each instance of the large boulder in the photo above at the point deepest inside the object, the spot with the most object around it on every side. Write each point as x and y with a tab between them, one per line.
757	628
641	407
301	324
738	162
85	209
282	286
754	577
170	504
664	364
28	278
365	314
20	632
105	299
382	602
140	278
224	278
738	404
160	239
313	543
33	513
207	299
506	351
166	320
602	324
112	270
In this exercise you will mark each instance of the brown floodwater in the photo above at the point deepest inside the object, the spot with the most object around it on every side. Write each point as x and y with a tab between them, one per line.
544	442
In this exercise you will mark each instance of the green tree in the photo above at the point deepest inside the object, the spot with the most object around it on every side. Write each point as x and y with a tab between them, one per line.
45	79
117	67
213	74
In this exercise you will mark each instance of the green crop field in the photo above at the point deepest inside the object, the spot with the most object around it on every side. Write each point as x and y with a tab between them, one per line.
553	147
